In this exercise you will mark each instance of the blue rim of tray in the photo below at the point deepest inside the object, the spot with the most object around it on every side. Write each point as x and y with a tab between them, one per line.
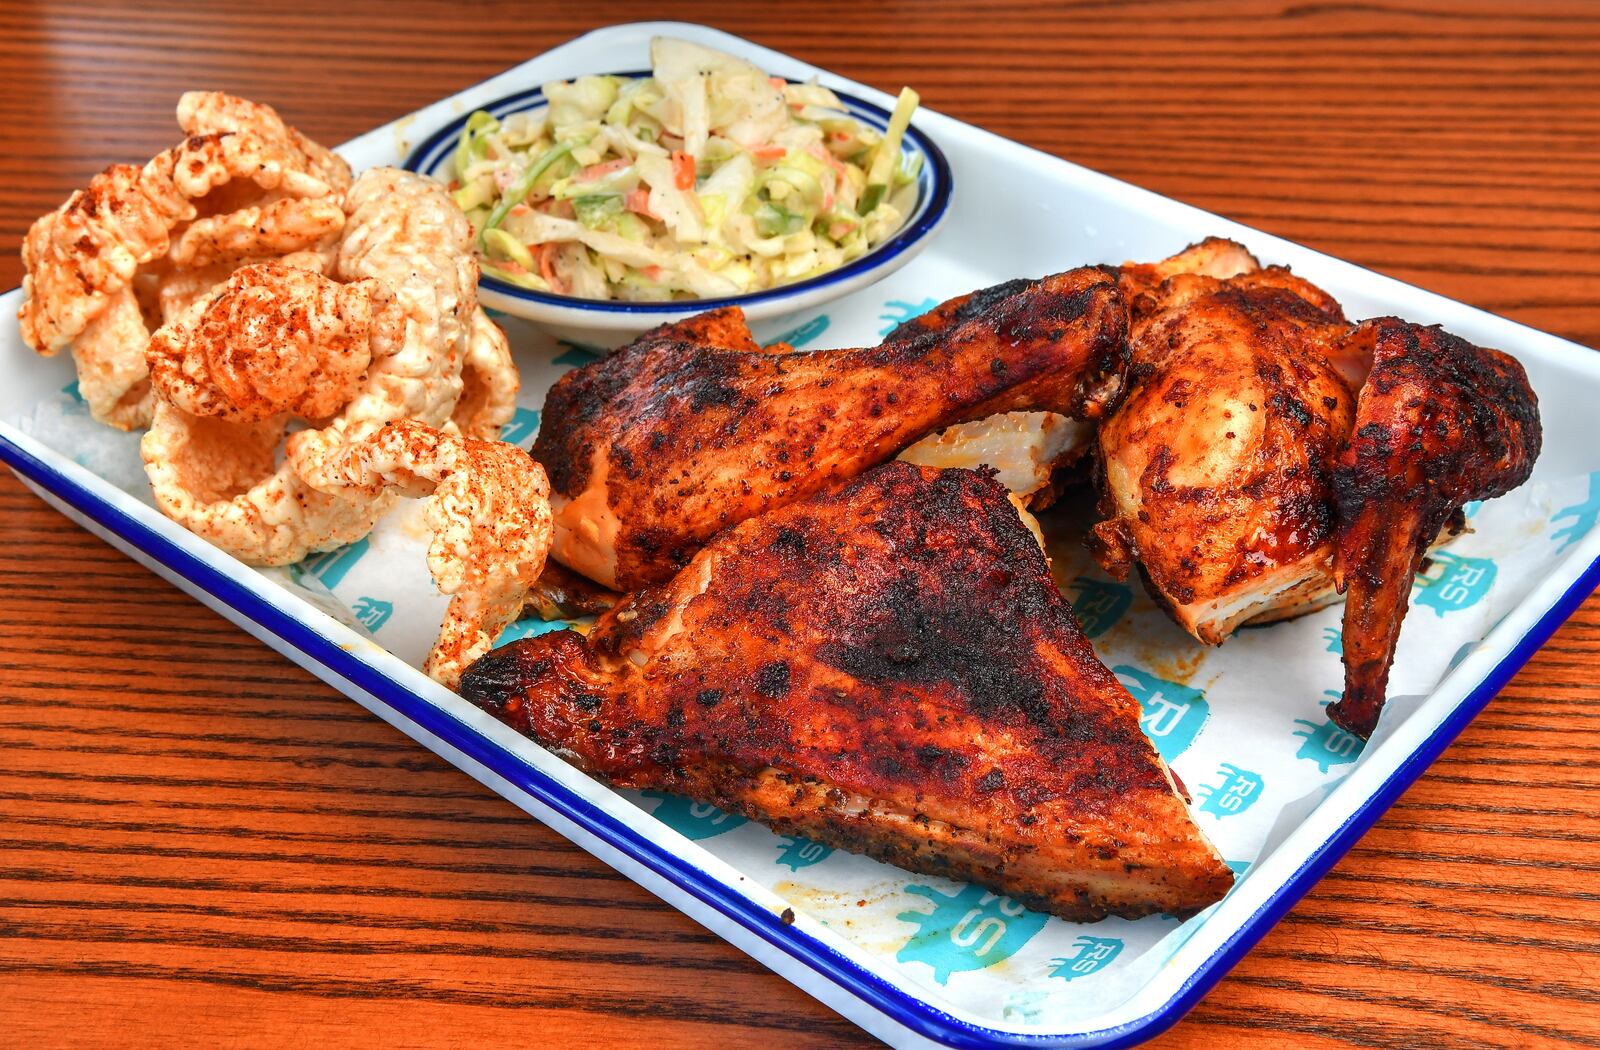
933	200
894	1003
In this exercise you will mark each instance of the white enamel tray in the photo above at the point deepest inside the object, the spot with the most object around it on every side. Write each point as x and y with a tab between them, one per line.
914	960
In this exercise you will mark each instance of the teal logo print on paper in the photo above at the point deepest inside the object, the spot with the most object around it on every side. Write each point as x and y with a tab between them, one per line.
692	820
1090	955
1335	639
1579	518
523	426
1452	582
802	334
1025	1007
897	312
331	567
529	629
967	930
1173	713
373	613
1099	604
76	405
802	853
1235	791
1326	744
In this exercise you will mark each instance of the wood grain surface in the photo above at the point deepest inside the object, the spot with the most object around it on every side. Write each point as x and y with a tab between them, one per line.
202	845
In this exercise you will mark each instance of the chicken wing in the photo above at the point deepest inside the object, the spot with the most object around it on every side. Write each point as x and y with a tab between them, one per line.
1440	422
886	667
654	449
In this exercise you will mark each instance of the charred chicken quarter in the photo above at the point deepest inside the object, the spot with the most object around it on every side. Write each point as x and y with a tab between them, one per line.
885	666
1270	454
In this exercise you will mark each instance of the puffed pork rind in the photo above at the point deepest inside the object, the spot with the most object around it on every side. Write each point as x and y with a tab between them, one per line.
378	367
206	112
274	343
77	258
489	515
274	340
405	231
242	185
489	382
219	480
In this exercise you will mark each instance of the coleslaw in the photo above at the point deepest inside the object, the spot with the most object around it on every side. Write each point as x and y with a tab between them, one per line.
706	179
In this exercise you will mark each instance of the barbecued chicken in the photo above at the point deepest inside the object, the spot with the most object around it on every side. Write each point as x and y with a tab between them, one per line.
1440	422
656	448
1248	480
1217	467
885	667
1026	449
1213	257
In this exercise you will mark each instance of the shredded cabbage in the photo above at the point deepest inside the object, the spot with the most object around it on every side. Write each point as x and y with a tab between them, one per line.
707	178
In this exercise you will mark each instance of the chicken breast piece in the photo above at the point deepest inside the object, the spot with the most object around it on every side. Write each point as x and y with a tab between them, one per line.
886	667
1217	467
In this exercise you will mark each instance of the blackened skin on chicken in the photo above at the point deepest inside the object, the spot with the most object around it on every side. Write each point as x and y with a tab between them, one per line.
1439	422
952	312
722	329
656	448
888	668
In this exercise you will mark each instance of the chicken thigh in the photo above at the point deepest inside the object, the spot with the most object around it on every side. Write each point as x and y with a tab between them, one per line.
656	448
885	667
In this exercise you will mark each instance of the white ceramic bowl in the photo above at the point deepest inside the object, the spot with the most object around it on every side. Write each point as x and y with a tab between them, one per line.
604	324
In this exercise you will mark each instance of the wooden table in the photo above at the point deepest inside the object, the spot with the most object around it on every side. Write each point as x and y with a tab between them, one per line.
201	844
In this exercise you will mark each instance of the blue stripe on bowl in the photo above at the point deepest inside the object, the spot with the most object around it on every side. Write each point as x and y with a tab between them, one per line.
933	200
